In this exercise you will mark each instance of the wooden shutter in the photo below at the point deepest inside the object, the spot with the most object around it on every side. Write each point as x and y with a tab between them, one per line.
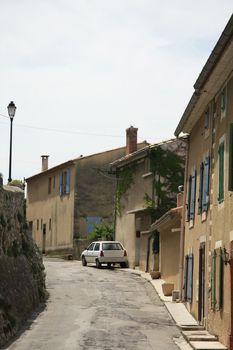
206	180
186	277
231	159
189	197
224	99
220	282
61	183
200	189
68	176
213	273
190	278
221	172
193	195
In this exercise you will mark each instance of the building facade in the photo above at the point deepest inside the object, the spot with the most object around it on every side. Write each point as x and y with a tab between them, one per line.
208	215
147	184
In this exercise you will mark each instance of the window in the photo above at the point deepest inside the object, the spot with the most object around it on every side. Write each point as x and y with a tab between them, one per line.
50	224
221	172
191	196
207	119
223	102
37	224
97	247
231	159
91	246
188	278
49	185
65	177
54	182
203	200
216	279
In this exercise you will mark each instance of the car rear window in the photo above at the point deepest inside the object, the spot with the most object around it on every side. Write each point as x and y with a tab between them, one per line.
112	246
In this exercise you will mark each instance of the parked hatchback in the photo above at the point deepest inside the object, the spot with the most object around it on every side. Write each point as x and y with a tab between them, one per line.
105	252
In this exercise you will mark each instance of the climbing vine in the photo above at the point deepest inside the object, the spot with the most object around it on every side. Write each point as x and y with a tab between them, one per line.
167	168
125	179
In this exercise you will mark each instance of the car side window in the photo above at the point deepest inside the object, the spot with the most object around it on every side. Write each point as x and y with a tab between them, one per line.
97	247
91	246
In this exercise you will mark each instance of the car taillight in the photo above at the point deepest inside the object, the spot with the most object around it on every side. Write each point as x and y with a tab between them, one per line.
125	253
101	253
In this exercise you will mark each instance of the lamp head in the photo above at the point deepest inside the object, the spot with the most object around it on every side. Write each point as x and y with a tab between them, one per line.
11	109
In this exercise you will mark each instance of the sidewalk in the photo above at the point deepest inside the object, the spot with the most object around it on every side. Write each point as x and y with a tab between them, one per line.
193	335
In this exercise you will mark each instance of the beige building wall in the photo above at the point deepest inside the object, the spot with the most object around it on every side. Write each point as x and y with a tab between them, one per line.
131	203
169	254
214	229
52	210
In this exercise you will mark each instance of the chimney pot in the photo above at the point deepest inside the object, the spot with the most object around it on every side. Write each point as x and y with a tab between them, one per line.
131	139
45	162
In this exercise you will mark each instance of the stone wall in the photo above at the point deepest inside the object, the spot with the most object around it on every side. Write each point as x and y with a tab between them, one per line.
22	277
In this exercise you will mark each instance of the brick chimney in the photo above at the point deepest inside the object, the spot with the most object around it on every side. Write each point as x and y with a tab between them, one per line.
131	139
45	162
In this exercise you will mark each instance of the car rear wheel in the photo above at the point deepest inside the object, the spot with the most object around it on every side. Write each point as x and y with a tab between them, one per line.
109	265
98	264
84	262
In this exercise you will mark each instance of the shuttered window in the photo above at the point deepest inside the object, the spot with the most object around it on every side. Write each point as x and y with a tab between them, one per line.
193	195
221	172
231	159
189	197
206	179
213	276
188	278
224	99
64	184
217	279
201	188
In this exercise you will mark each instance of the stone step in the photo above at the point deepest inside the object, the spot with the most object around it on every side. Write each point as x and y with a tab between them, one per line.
199	335
191	327
207	345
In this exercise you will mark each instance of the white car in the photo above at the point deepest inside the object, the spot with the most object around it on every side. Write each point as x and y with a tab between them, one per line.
105	252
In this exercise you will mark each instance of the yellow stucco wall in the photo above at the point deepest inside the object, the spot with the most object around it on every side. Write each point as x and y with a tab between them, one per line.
214	229
52	210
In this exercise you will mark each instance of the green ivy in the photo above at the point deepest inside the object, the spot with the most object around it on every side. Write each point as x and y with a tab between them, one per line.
168	171
125	180
103	231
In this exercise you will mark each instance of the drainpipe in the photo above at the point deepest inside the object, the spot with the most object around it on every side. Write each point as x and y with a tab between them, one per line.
182	232
148	252
231	313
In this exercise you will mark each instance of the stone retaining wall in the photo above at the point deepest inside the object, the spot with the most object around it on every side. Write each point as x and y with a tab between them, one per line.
22	276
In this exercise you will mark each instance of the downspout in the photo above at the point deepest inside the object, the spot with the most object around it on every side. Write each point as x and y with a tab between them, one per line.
182	232
231	312
148	252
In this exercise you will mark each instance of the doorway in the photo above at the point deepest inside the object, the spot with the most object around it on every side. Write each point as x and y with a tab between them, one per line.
44	239
201	288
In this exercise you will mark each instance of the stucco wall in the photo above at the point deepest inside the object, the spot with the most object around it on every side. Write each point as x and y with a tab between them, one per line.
215	229
95	190
51	209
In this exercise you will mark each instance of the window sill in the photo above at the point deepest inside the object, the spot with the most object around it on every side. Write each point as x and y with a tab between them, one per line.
147	174
203	216
191	223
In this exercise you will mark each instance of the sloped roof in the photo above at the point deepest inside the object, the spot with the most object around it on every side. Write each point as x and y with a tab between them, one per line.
213	60
143	152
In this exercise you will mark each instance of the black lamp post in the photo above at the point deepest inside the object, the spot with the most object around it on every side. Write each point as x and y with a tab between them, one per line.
11	112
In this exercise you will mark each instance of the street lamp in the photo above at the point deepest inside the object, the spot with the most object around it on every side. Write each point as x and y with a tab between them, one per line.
11	112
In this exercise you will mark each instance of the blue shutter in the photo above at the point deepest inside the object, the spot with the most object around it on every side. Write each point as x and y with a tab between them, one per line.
206	184
189	197
68	176
193	195
221	172
200	198
60	183
190	278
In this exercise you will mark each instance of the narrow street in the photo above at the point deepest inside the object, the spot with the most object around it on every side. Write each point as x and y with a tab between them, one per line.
101	309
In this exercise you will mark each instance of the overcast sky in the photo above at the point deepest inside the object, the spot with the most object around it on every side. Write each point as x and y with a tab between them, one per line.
81	71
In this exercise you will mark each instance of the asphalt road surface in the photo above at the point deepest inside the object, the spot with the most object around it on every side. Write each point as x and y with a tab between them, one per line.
101	309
